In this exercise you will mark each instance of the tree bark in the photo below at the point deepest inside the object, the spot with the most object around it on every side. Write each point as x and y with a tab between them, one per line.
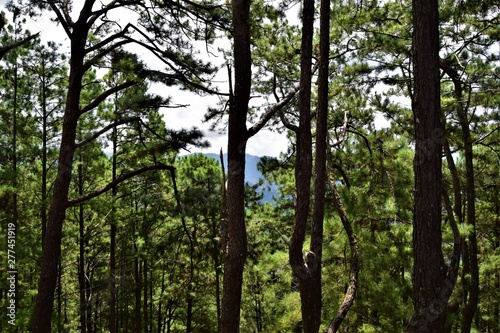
431	294
57	211
302	267
311	290
137	290
81	255
235	252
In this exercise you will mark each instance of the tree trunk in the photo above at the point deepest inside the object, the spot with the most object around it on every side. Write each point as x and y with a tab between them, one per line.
354	264
311	290
303	267
59	298
471	290
429	272
112	242
236	250
57	211
44	194
145	295
137	292
223	236
81	256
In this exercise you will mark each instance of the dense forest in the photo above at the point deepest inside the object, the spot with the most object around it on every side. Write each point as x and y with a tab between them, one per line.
109	224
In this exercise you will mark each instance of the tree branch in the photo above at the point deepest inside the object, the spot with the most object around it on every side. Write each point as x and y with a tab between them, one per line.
108	40
271	111
117	181
99	99
5	49
354	264
64	20
105	129
451	277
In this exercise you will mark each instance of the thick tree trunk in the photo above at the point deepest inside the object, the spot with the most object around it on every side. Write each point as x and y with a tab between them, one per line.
311	289
57	211
235	252
429	273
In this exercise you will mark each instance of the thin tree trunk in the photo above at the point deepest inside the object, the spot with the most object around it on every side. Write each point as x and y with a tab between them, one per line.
471	294
15	204
112	243
145	295
44	194
81	254
88	294
59	298
223	235
151	308
160	305
137	293
354	262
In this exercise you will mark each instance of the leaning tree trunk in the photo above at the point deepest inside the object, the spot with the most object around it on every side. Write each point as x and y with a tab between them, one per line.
57	211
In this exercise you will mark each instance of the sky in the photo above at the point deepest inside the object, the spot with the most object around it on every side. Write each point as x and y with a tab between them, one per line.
265	143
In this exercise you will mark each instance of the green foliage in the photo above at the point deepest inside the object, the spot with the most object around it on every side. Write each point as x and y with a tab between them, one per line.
168	256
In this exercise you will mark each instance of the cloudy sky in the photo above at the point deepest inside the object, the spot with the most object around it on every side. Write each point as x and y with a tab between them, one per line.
265	143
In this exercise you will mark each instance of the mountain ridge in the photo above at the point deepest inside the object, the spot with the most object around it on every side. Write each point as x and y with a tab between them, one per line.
252	175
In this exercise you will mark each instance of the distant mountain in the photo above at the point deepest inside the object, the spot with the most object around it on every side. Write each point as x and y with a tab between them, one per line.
252	175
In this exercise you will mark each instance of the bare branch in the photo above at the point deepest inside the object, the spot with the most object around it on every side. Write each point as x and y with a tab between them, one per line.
271	111
105	129
99	99
117	181
65	19
108	40
5	49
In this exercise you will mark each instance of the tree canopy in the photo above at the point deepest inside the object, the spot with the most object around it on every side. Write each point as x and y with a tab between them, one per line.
385	208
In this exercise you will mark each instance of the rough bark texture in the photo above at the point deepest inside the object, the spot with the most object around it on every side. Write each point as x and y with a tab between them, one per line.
302	267
57	210
311	290
429	273
236	247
